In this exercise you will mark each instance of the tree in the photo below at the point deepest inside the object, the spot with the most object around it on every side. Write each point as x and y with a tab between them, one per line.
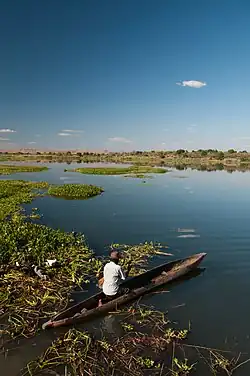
180	151
203	153
231	151
220	155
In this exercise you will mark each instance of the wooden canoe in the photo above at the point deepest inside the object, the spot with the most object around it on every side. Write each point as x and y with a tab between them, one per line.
137	286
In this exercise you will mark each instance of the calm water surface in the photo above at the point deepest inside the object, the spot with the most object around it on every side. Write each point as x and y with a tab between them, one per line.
215	205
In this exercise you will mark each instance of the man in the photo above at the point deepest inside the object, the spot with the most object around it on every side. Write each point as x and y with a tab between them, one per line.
112	276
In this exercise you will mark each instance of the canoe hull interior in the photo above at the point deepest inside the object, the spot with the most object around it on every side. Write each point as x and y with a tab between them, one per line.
138	286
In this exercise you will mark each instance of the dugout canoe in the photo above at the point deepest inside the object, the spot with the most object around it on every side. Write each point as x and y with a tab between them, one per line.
138	286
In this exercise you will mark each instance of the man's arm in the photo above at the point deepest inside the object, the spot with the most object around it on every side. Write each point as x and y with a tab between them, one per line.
121	273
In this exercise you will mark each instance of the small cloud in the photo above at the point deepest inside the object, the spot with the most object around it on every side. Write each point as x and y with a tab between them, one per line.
7	130
37	135
73	131
64	134
4	139
163	143
120	139
31	142
194	84
191	128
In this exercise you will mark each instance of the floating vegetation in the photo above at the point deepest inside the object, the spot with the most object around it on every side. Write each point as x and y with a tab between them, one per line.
138	255
26	247
75	191
75	353
150	345
32	287
12	169
34	214
16	192
135	170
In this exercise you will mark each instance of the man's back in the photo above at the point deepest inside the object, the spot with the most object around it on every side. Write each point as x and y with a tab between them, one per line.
112	274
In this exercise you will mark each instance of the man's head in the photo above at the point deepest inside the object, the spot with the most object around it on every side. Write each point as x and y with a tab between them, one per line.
114	256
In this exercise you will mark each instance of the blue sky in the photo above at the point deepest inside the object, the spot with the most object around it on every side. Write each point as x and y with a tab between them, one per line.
109	70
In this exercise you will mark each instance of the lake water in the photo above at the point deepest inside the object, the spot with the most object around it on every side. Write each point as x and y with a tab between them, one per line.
215	205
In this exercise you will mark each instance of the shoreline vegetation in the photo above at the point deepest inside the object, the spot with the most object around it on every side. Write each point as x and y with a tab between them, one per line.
210	159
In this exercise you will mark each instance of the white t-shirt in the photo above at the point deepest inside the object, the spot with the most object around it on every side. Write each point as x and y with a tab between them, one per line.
112	274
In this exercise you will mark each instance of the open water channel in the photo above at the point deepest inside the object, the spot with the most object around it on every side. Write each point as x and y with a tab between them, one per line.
214	208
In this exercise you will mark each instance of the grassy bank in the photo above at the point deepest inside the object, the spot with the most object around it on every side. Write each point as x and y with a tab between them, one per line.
75	191
133	170
13	169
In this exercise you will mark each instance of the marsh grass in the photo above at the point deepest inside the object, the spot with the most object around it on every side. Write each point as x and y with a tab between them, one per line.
135	170
13	169
75	191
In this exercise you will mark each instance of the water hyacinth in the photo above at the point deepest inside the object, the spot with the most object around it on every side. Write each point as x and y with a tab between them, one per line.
75	191
12	169
16	192
119	170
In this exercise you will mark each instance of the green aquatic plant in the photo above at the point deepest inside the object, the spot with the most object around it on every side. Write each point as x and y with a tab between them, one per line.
181	368
141	170
13	169
13	193
137	255
75	191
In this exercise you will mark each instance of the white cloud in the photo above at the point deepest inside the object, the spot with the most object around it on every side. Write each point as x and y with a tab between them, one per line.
37	135
4	139
194	84
120	139
7	130
73	131
191	128
64	134
31	142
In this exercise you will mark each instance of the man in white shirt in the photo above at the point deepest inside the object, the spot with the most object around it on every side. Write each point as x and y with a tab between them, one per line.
113	275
